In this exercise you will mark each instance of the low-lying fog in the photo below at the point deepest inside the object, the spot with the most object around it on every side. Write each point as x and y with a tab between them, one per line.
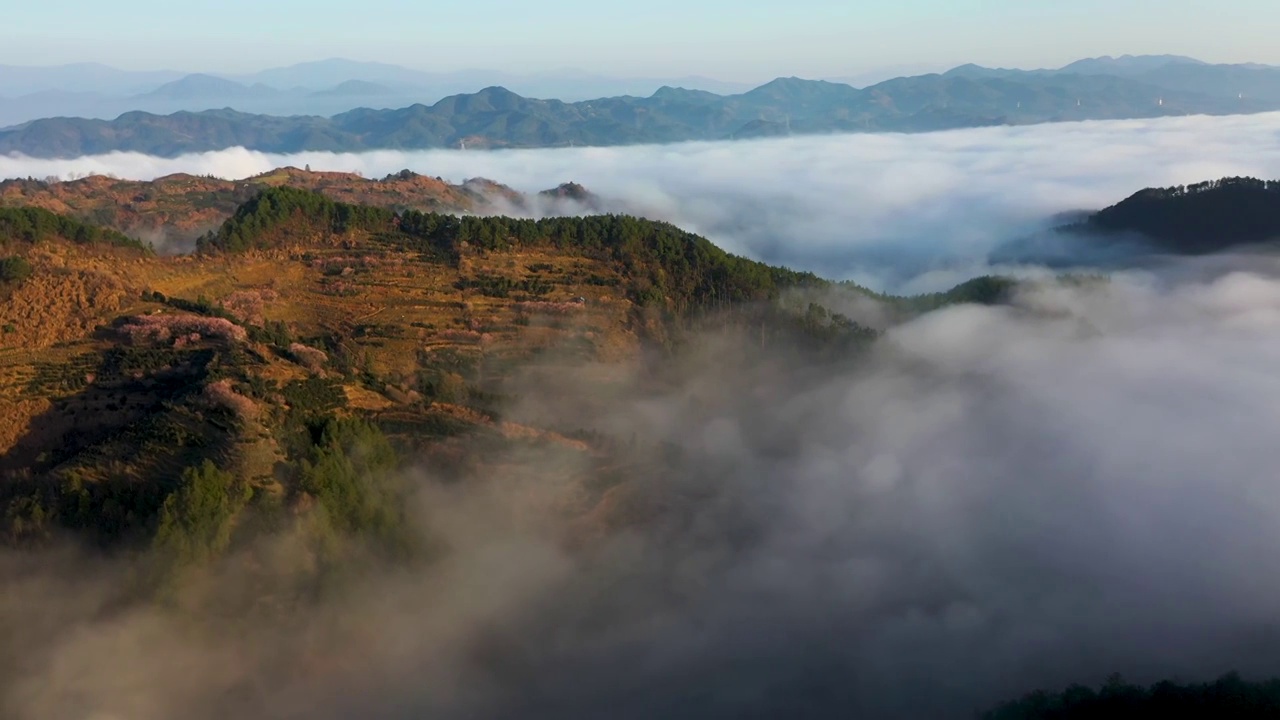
997	499
884	209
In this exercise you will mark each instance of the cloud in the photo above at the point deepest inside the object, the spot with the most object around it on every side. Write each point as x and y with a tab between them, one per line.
880	208
994	499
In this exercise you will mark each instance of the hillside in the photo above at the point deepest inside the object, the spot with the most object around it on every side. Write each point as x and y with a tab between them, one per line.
496	117
1230	696
172	211
120	369
1193	219
1206	217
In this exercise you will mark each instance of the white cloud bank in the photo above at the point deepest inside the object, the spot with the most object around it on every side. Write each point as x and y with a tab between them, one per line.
854	206
997	499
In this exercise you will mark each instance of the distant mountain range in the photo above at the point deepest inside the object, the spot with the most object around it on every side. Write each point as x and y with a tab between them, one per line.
967	96
316	88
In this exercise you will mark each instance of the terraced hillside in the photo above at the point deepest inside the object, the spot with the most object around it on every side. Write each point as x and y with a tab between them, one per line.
121	369
327	400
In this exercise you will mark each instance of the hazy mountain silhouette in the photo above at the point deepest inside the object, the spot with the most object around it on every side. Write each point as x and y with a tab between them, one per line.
498	117
311	88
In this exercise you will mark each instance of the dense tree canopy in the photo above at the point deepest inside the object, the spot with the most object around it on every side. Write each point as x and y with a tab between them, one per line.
664	263
14	269
32	225
258	223
1199	218
195	520
1228	697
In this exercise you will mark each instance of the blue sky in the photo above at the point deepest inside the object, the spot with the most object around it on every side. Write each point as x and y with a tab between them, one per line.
728	39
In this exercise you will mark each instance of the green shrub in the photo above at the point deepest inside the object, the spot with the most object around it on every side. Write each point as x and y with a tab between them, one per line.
196	519
14	269
351	473
32	225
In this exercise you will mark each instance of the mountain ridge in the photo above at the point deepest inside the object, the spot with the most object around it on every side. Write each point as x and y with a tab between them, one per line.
497	117
1183	220
172	211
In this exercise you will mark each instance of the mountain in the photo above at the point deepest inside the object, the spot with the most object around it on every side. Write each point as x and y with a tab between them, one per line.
1228	696
323	87
321	74
245	441
1248	82
1253	82
205	86
1123	66
497	117
602	110
300	312
1127	64
567	84
172	211
80	77
1198	219
1195	219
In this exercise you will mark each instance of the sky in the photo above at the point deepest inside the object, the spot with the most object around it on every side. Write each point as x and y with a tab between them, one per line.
738	40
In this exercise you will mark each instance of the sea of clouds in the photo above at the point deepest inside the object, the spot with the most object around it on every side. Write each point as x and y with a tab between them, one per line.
901	212
995	499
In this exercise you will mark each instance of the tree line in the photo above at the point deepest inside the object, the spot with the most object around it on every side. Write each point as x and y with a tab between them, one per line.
33	225
665	264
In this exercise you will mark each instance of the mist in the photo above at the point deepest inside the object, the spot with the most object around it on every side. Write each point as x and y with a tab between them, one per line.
991	500
901	213
995	499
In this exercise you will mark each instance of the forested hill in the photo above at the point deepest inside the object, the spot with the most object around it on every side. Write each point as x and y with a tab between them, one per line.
496	117
175	209
1195	219
1228	697
135	386
665	264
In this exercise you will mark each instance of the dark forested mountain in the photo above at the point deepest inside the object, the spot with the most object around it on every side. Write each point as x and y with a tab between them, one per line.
497	117
1194	219
1199	218
1228	697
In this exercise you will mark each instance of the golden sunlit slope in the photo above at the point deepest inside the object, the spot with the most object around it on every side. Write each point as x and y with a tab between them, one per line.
480	347
119	369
